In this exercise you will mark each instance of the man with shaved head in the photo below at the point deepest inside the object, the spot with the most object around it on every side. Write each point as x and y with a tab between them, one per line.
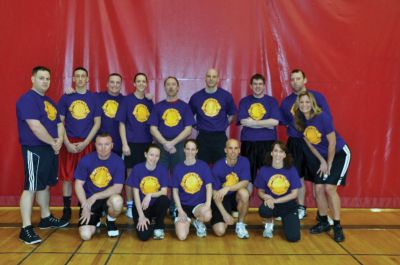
214	109
231	178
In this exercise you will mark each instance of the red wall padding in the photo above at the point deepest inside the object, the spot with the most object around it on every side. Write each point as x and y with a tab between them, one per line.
348	49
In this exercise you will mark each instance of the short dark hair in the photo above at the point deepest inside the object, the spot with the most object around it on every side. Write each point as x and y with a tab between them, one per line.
171	77
40	68
147	149
298	71
287	162
103	135
143	74
190	140
257	77
82	69
114	74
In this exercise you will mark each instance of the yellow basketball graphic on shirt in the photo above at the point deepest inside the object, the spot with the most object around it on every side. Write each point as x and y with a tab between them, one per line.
257	111
231	179
110	108
141	113
211	107
100	177
79	109
278	184
191	183
149	185
312	135
50	110
171	117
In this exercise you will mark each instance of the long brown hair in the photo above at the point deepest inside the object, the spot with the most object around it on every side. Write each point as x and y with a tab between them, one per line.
287	162
299	119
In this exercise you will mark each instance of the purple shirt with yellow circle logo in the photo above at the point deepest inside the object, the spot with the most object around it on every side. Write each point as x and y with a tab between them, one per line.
258	109
171	118
191	182
148	181
100	174
277	182
79	111
109	106
316	130
226	176
212	110
34	106
134	113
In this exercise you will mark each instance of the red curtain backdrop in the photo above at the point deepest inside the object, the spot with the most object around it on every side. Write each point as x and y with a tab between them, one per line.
348	49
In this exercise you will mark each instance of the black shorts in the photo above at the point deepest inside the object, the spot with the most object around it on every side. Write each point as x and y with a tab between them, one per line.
300	153
340	166
211	146
256	152
40	167
137	154
188	209
97	210
229	203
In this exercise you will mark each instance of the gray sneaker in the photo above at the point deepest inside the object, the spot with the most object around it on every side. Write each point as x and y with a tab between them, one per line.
201	230
158	234
268	230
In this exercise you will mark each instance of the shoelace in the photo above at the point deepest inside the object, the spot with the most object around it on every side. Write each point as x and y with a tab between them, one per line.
29	233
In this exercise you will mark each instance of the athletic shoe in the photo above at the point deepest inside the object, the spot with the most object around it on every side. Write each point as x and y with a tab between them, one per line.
158	234
67	213
52	222
201	230
112	229
318	218
98	224
278	218
129	212
241	230
338	235
28	235
268	230
302	212
320	227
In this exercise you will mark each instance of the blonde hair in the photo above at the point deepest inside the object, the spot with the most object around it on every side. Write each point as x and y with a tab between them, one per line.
299	119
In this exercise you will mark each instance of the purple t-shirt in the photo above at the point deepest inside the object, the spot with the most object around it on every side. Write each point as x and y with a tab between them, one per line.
212	110
171	118
79	111
316	130
134	113
148	181
258	109
226	176
288	112
100	174
277	182
109	105
32	105
191	182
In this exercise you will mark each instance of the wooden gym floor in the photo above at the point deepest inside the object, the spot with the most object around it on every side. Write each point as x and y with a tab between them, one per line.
371	238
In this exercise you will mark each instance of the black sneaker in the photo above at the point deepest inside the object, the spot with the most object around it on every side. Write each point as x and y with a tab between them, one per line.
52	222
112	229
66	217
29	236
338	235
320	227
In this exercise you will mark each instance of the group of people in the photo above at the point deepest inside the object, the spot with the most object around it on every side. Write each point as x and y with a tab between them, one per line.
105	141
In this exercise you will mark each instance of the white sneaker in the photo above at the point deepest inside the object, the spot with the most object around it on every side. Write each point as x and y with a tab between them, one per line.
201	230
158	234
302	212
268	230
129	213
241	230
